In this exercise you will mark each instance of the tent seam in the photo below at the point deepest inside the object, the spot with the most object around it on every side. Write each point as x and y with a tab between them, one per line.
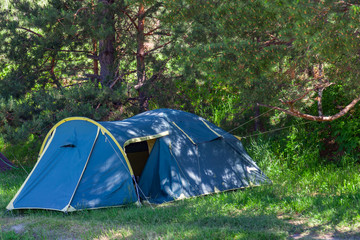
184	133
83	171
145	138
210	128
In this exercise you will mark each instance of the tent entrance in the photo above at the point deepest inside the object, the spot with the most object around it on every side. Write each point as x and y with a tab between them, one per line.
138	154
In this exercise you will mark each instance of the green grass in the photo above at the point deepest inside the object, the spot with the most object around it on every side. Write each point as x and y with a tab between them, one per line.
317	200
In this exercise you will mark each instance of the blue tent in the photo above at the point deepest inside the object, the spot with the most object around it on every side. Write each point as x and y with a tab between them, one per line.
157	156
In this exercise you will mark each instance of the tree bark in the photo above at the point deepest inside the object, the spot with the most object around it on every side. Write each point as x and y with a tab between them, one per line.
320	91
106	47
52	73
95	61
95	45
319	102
257	120
140	60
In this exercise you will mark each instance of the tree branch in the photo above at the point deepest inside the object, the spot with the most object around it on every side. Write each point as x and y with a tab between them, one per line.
79	10
52	72
297	99
95	57
156	48
28	30
131	19
296	113
120	78
93	76
151	31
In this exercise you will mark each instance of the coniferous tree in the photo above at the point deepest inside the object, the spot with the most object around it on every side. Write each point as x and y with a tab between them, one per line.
271	50
120	49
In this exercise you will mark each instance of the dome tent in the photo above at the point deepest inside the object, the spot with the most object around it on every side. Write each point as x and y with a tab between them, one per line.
158	156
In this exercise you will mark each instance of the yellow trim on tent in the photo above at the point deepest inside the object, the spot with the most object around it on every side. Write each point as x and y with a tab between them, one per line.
43	149
238	137
103	130
10	206
184	133
145	138
211	129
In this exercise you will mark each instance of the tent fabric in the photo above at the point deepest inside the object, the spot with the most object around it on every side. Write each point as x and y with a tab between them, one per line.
158	156
5	164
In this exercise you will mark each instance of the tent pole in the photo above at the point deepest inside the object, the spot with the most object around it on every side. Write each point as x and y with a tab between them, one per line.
137	189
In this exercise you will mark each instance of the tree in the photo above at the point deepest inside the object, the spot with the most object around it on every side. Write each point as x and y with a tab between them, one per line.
287	51
113	54
125	38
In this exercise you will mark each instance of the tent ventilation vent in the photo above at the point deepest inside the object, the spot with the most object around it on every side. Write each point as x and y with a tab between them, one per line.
68	146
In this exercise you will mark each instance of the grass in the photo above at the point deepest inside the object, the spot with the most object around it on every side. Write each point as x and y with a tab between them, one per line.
318	200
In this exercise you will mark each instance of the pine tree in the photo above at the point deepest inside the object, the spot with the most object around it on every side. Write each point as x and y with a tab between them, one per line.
66	41
271	50
82	57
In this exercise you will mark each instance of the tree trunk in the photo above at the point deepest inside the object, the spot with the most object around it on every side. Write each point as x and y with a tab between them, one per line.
95	45
106	47
257	122
140	60
319	102
95	61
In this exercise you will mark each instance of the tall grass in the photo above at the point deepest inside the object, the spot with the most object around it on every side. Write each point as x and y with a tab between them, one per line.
327	193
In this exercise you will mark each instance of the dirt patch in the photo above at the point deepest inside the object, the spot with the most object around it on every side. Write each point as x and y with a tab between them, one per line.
18	229
304	230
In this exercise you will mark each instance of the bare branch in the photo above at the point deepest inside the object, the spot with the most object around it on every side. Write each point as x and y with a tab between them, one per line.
93	76
131	19
296	113
79	10
297	99
121	78
158	47
28	30
95	57
151	31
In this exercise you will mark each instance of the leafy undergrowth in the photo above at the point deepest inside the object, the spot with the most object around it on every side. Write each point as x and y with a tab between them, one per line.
318	201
